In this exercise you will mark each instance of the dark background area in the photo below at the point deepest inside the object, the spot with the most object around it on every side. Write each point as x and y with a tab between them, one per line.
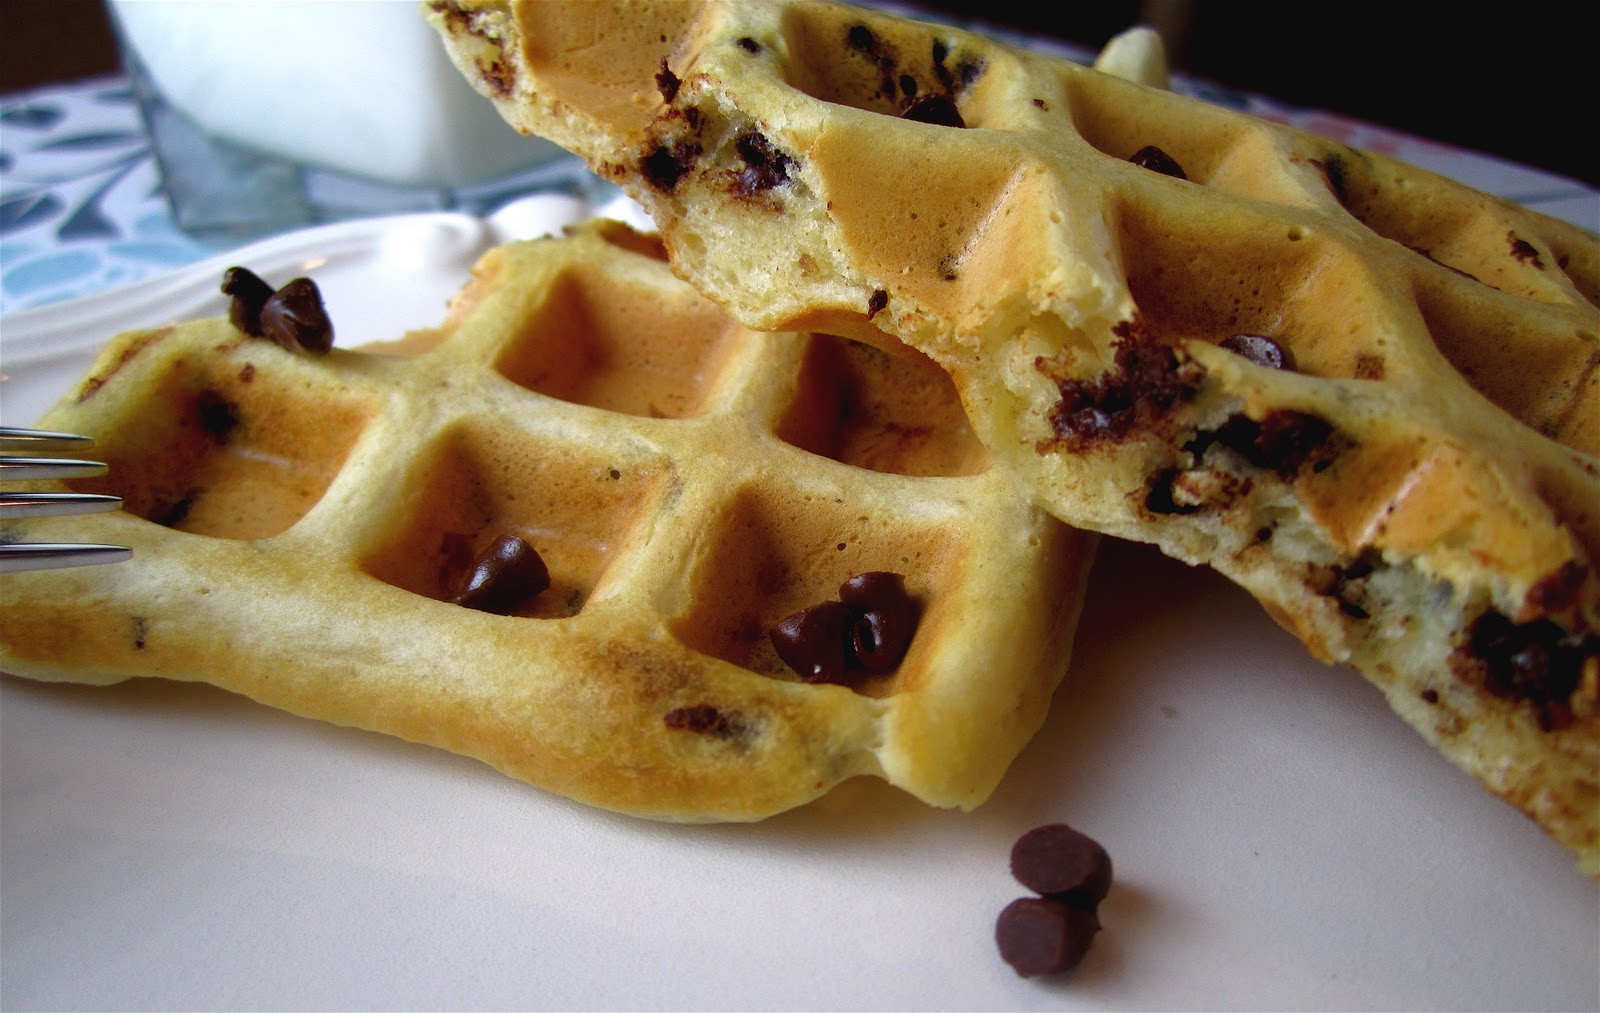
1515	80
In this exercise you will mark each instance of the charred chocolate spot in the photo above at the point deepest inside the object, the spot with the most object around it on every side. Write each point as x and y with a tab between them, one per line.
1524	251
949	267
908	86
748	44
669	163
1345	583
877	301
248	294
295	318
939	110
1153	158
702	719
247	372
1042	104
1430	696
1538	662
1143	384
1259	349
765	167
502	577
667	82
217	416
860	38
967	69
141	629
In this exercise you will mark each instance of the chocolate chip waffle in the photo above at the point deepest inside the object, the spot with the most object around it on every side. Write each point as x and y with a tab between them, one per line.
1369	395
311	531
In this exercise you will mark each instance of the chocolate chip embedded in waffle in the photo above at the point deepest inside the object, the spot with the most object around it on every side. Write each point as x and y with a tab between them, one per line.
1368	394
301	524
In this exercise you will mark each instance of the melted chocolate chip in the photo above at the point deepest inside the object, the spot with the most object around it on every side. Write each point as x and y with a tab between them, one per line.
1143	384
877	301
1059	862
908	86
217	415
815	641
700	718
1158	497
939	110
1284	442
1538	661
765	167
748	44
861	39
1153	158
295	318
1524	251
667	82
1559	590
248	294
1259	349
1038	935
502	577
668	163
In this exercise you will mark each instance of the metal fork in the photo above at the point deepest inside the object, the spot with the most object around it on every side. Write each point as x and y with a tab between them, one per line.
21	461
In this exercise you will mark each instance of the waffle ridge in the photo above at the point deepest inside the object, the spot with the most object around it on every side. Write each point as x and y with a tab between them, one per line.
299	524
1415	494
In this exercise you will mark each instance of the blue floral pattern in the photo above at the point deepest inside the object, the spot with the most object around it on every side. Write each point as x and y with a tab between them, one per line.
81	206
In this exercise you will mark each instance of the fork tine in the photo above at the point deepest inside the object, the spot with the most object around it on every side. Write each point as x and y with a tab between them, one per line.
54	504
18	556
36	440
14	469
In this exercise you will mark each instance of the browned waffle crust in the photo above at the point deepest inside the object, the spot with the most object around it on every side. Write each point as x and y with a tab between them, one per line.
298	524
1417	493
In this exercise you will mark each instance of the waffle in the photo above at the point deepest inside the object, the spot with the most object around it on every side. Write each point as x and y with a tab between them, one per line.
301	524
1367	394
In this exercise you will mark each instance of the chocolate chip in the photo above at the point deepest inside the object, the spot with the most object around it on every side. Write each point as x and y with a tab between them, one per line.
1144	383
748	44
1524	251
1259	349
249	293
1537	661
218	417
886	619
1284	442
765	167
1153	158
295	318
700	718
1039	935
668	163
939	110
877	301
667	82
1059	862
502	577
815	642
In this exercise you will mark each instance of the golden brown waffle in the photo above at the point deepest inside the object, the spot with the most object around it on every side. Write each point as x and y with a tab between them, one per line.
1416	491
299	524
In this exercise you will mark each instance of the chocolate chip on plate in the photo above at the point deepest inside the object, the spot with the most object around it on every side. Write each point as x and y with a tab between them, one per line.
504	575
1042	935
1057	861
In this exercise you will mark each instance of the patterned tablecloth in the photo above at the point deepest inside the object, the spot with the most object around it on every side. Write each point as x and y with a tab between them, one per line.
82	208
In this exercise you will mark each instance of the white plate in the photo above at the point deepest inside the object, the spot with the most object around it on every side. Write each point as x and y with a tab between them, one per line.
1280	839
